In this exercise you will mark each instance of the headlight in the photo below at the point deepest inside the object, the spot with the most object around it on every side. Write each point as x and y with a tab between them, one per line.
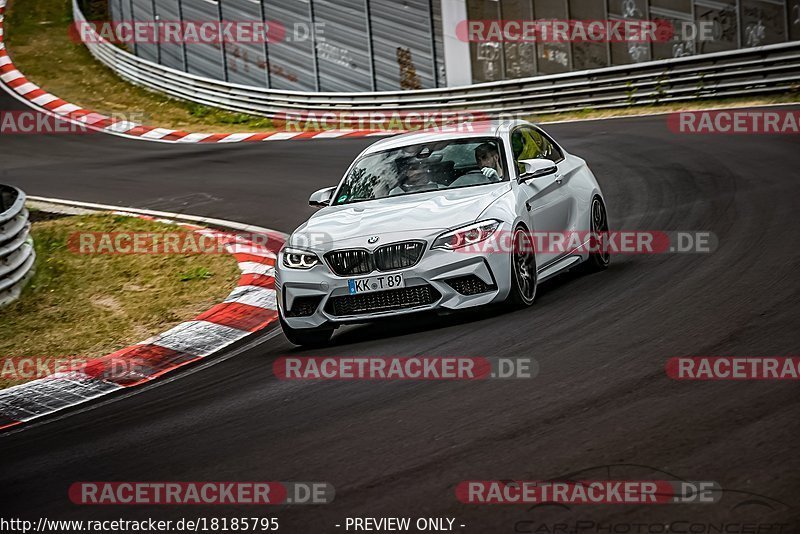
299	259
468	235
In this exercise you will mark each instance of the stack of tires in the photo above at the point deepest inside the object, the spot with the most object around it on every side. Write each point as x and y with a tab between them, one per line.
16	246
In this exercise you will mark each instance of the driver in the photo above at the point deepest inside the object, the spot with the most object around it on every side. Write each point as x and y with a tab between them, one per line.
415	178
488	158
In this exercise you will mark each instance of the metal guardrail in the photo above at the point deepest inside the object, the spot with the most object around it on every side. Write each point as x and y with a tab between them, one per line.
750	71
16	246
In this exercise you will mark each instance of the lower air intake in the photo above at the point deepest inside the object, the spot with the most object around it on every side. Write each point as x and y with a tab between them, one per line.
470	285
381	301
303	306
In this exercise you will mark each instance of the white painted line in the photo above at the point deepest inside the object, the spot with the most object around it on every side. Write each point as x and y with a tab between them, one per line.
10	76
255	250
279	136
66	109
332	134
251	267
236	137
199	338
26	88
216	234
193	137
121	127
44	99
157	133
91	118
254	296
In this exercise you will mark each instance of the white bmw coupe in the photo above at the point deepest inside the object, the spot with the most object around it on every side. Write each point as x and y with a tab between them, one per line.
405	229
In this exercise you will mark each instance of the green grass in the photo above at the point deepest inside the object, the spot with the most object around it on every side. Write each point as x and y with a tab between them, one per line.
196	273
87	305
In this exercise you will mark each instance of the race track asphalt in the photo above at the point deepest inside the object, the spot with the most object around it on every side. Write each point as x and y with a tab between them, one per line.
399	449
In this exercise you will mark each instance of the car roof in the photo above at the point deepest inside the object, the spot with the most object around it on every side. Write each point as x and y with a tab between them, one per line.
464	130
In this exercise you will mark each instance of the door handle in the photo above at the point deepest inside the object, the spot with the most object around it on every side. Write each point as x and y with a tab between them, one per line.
559	178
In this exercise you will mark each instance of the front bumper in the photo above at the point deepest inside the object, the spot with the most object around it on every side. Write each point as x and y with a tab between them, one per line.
435	269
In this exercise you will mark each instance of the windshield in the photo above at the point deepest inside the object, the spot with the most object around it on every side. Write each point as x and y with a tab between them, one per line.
424	167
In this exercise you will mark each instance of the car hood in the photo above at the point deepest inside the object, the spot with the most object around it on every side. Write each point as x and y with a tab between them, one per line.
405	217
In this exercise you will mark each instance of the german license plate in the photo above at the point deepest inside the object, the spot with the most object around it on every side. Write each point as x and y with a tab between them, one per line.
376	283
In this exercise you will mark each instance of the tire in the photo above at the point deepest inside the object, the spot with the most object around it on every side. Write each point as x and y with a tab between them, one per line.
524	279
306	337
598	219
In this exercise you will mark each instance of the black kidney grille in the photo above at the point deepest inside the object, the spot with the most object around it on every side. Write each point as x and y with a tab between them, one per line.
350	262
385	258
398	255
382	301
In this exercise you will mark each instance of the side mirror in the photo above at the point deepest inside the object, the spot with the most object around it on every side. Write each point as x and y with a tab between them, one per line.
536	168
322	197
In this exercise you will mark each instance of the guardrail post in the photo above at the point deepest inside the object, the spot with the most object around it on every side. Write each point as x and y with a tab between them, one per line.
184	58
222	42
314	42
739	23
370	42
158	31
263	12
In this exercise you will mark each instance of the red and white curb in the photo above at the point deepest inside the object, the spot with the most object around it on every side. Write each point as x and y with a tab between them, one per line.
249	308
24	90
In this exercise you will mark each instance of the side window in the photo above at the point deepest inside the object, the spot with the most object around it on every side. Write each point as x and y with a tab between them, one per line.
549	149
529	143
